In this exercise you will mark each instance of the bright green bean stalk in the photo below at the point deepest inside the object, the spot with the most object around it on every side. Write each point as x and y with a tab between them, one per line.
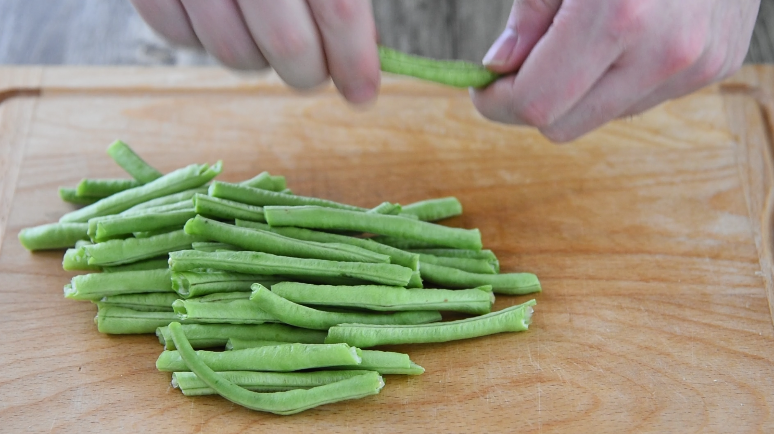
386	208
97	285
508	283
217	335
223	312
190	284
388	298
148	302
289	402
104	187
186	204
266	181
209	246
407	244
450	72
120	225
117	252
226	209
76	260
434	209
269	242
153	233
223	296
116	320
327	218
258	197
481	266
53	236
306	317
125	157
397	256
458	253
512	319
278	358
169	199
189	177
148	264
71	195
191	385
266	264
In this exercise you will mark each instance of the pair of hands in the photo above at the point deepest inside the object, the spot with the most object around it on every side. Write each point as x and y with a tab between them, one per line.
570	65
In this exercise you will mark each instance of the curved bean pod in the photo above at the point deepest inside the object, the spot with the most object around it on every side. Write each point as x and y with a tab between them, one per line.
259	197
71	195
125	157
434	209
191	385
217	335
226	209
189	284
450	72
221	312
508	283
118	252
481	266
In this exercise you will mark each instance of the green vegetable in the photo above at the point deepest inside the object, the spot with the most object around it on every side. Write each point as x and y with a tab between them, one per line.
191	385
104	187
135	166
510	283
118	252
217	335
434	209
226	209
117	320
450	72
53	236
149	302
71	195
259	197
190	284
97	285
223	312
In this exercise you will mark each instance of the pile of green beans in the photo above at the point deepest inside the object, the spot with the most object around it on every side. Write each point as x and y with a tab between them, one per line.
279	293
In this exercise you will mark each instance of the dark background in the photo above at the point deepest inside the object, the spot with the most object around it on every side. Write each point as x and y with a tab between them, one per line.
109	32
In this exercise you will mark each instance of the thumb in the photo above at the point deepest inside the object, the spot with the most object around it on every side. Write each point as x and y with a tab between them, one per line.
528	22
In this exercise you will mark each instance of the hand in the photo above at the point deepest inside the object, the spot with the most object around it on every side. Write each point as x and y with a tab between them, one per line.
582	63
305	41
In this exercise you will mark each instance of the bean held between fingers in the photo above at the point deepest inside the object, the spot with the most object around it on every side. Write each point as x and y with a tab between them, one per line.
450	72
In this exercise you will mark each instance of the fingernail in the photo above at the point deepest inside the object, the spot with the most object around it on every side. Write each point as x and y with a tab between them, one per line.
360	92
502	48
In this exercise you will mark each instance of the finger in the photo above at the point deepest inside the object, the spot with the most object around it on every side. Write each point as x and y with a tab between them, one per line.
168	19
287	36
223	32
558	72
528	22
349	38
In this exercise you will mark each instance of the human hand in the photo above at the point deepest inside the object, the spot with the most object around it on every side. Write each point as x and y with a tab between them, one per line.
305	41
582	63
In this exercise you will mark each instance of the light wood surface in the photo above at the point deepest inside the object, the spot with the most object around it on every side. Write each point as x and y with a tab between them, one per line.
651	237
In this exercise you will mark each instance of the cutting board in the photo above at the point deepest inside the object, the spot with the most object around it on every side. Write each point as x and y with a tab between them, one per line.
652	238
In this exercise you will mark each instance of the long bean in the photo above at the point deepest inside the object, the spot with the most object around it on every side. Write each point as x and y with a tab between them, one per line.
190	284
386	208
222	312
160	231
481	266
186	178
53	236
508	283
223	296
167	200
125	157
148	264
511	319
270	242
266	181
210	246
191	385
450	72
117	252
217	335
226	209
306	317
278	358
149	302
406	244
141	222
117	320
434	209
397	256
71	195
266	264
97	285
458	253
76	260
104	187
326	218
388	298
289	402
176	206
259	197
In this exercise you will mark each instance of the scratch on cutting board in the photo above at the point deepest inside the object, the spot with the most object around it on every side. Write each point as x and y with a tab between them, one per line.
53	422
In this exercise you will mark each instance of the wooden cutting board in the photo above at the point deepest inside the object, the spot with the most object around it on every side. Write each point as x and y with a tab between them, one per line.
652	238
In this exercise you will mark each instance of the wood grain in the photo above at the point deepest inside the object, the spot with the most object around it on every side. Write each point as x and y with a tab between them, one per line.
648	236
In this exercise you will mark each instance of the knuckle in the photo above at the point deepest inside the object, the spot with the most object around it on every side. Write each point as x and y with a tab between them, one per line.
557	135
539	6
627	18
333	13
287	43
682	54
535	113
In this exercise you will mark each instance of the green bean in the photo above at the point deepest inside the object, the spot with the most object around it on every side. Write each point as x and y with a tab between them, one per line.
76	260
160	231
388	298
116	320
141	222
511	319
209	246
104	187
266	181
192	176
509	283
269	242
191	385
173	198
289	402
383	362
217	335
397	256
226	209
117	252
221	312
258	197
278	358
458	253
406	244
223	296
280	184
434	209
53	236
190	284
450	72
327	218
286	191
148	264
149	302
386	208
125	157
266	264
306	317
186	204
481	266
71	195
97	285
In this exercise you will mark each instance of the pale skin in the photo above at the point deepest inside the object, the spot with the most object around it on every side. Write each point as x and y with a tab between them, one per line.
568	66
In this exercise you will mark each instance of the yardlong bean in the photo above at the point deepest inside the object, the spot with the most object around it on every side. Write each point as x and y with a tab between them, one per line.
104	187
267	264
53	236
226	209
117	252
259	197
289	402
306	317
141	222
76	260
327	218
481	266
94	286
148	264
186	178
125	157
210	246
511	319
450	72
222	312
149	302
508	283
71	195
217	335
191	385
190	284
167	200
116	320
434	209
